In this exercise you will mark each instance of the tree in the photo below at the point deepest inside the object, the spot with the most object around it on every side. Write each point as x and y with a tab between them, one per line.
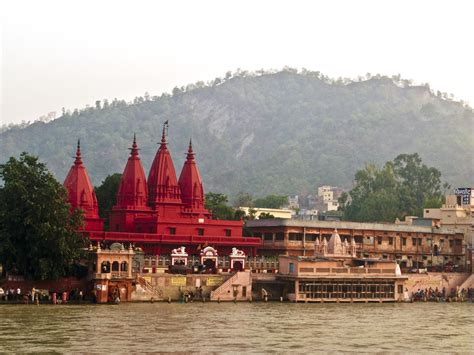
106	195
243	199
216	203
271	201
265	215
402	187
38	232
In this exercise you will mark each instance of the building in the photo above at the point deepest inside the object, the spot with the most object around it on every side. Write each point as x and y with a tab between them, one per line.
158	213
335	274
411	246
293	202
275	212
456	213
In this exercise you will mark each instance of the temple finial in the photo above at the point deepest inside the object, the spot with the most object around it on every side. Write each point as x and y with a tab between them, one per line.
78	153
134	149
165	132
190	155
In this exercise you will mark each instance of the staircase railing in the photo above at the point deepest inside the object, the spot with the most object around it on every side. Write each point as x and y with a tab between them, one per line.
148	287
227	284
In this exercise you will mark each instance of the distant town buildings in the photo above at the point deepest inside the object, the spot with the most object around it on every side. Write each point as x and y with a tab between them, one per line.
456	213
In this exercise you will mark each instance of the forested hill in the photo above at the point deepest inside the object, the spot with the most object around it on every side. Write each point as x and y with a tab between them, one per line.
282	133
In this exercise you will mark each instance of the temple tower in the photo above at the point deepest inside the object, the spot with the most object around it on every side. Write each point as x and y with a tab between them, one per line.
162	184
335	244
81	194
190	183
133	190
131	196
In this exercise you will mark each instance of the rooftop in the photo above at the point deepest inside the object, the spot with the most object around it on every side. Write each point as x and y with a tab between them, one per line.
347	225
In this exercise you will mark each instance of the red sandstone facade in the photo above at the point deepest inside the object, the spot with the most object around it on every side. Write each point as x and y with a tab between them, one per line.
159	213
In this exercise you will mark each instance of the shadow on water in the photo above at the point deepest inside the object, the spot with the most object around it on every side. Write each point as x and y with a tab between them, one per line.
249	327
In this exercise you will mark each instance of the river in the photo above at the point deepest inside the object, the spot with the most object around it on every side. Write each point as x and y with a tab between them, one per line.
241	327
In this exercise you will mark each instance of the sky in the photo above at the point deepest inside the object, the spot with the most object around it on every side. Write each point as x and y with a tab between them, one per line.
69	54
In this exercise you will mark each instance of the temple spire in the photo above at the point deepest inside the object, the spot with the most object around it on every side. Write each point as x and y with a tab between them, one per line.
190	155
190	182
81	194
133	190
162	182
165	132
78	160
134	149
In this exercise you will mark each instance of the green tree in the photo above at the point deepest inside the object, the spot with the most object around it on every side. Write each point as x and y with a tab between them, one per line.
38	233
400	188
271	201
265	215
216	203
106	195
243	199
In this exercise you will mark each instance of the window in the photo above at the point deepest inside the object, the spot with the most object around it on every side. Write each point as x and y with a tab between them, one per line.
310	237
228	232
172	230
420	241
458	242
292	267
279	236
400	288
296	236
369	240
390	240
268	236
244	291
404	241
379	240
413	240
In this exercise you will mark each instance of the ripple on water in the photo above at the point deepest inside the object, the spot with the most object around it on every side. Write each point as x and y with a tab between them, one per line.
249	327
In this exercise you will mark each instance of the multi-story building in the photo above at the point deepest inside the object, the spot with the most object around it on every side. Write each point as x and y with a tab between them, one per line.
293	202
411	246
456	213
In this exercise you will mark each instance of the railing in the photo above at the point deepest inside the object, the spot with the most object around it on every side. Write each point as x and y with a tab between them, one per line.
224	286
352	270
148	287
173	238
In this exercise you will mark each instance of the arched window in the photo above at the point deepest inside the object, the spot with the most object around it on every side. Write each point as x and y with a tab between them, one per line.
115	266
105	267
124	266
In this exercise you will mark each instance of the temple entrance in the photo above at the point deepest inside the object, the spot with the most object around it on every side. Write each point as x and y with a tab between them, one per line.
238	266
210	264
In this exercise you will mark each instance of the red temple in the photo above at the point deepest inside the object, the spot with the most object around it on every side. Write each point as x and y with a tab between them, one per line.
160	214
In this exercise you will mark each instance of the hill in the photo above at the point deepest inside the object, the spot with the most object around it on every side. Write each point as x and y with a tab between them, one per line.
282	132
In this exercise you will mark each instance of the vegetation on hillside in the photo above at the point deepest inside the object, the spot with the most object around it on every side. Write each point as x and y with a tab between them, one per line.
283	132
38	234
402	187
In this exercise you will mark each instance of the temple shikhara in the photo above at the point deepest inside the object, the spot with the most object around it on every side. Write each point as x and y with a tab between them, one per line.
160	213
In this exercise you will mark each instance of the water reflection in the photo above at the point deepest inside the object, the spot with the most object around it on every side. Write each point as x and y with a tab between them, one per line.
254	327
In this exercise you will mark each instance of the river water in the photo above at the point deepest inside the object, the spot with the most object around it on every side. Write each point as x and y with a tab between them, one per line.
241	327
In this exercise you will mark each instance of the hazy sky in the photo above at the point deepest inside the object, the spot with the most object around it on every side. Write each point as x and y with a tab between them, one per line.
68	54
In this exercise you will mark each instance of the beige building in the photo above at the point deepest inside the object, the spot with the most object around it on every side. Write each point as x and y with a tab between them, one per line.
275	212
456	214
335	274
